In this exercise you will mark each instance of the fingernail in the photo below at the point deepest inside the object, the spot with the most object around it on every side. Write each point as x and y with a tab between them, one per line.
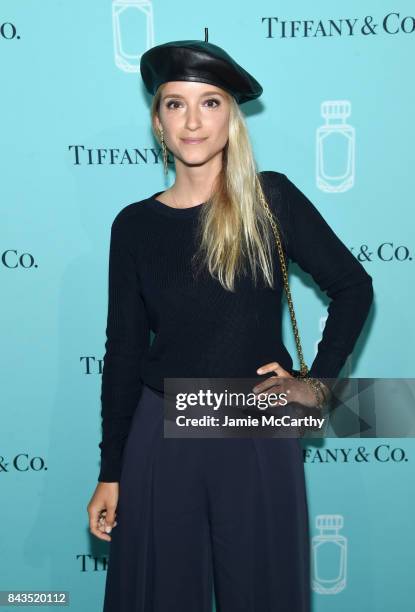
108	529
259	370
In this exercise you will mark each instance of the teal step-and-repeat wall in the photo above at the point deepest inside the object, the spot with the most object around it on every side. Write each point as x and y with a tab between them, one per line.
336	116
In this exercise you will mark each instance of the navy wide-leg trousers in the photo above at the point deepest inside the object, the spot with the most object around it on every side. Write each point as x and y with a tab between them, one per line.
197	515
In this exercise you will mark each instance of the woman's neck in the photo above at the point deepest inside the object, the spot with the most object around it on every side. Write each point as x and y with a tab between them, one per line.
193	184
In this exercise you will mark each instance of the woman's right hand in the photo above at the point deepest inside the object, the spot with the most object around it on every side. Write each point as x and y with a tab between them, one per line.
102	509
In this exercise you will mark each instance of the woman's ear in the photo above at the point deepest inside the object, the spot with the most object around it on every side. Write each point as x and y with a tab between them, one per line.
157	124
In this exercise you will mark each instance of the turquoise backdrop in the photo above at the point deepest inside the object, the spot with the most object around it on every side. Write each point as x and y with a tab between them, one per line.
336	116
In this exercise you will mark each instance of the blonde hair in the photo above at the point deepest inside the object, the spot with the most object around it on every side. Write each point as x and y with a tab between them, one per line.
234	227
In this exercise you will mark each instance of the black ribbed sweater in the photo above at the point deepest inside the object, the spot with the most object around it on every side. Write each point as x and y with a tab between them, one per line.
202	330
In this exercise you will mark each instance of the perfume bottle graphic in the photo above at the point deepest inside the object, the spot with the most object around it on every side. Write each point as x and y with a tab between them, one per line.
329	555
133	31
335	148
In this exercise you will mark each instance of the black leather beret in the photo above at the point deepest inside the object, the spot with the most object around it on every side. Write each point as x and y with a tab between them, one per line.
196	60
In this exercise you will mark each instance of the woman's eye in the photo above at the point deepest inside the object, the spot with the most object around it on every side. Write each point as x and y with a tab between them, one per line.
169	104
213	100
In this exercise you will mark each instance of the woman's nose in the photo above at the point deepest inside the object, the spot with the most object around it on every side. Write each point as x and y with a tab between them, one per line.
192	118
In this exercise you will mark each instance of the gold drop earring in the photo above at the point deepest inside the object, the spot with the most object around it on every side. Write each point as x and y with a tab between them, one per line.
164	149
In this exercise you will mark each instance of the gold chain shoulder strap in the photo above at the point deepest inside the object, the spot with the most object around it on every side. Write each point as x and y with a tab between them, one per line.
303	367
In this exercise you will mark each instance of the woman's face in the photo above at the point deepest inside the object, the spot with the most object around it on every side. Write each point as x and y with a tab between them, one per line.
195	120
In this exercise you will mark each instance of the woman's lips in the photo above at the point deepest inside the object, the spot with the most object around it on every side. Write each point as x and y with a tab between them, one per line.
192	140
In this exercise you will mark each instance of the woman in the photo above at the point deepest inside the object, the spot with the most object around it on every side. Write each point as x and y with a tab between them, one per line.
197	265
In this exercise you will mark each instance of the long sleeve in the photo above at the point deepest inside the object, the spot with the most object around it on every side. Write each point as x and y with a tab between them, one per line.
315	247
127	341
